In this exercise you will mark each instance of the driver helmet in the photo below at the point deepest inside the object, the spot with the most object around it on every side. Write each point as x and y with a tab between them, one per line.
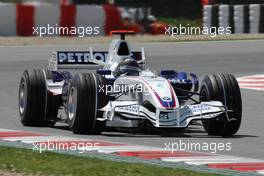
128	67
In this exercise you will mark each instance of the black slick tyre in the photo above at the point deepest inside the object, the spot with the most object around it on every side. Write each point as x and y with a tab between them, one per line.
224	88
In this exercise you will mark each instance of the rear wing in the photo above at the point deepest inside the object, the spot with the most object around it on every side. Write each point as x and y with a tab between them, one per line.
67	60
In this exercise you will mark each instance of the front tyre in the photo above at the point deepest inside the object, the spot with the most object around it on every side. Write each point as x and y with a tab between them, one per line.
82	105
224	88
33	98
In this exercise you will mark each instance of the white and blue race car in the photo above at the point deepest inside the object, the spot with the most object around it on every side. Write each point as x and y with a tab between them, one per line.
123	92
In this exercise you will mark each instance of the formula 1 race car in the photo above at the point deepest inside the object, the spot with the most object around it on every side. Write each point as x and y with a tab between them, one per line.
125	93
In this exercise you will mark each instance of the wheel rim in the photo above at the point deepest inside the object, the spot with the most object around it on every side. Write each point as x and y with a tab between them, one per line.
22	96
72	103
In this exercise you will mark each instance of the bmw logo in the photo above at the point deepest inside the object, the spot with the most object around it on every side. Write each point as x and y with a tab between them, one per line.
166	99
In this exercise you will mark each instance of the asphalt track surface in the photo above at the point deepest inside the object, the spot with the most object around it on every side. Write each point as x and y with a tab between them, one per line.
238	57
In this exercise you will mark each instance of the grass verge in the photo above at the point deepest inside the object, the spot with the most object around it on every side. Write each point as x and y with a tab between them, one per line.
26	161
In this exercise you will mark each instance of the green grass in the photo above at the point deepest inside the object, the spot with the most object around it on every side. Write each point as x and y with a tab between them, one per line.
182	21
48	163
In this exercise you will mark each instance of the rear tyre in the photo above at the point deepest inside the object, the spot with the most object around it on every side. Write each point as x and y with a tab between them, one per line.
82	105
217	88
33	98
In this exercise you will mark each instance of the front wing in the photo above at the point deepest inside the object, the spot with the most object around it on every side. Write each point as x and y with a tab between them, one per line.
176	118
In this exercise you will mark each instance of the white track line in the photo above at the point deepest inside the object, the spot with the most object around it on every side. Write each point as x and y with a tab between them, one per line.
260	172
6	130
32	139
129	148
209	160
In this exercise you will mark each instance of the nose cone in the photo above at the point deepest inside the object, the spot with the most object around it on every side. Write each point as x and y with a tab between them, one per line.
163	94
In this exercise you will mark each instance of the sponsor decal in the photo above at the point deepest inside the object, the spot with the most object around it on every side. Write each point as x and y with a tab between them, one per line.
132	108
79	57
167	116
166	99
199	108
84	57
